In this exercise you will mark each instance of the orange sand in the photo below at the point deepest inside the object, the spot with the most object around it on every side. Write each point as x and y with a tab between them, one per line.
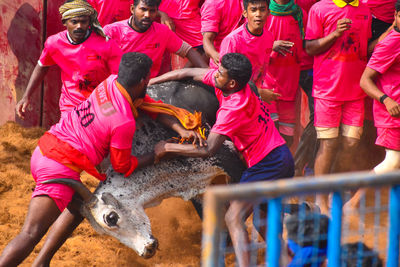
175	222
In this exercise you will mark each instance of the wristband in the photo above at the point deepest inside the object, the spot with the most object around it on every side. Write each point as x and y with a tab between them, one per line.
382	98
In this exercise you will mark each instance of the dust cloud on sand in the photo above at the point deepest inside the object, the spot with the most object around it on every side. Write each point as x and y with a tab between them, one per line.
175	222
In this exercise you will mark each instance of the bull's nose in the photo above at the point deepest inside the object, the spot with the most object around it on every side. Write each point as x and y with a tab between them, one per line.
150	249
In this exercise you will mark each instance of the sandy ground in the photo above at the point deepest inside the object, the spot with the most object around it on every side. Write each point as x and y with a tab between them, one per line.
175	222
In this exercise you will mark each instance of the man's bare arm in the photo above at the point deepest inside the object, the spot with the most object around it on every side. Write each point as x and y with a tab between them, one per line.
195	73
321	45
214	142
209	48
36	78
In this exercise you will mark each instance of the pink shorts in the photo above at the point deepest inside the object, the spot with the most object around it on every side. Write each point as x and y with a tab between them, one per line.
388	138
330	114
44	169
286	110
285	113
189	30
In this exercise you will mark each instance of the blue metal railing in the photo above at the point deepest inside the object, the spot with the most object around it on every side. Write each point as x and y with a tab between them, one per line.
275	191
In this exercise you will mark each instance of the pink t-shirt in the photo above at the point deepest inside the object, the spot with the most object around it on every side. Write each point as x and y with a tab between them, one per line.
181	9
337	72
286	69
382	9
256	48
186	17
153	42
83	66
386	61
221	17
246	121
111	11
104	120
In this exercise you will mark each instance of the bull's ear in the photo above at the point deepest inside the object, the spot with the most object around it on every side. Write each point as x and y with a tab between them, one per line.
109	199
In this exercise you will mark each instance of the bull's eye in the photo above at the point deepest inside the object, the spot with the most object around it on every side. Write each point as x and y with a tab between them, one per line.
111	219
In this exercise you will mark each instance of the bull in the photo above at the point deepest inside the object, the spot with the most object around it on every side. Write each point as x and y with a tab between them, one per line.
116	207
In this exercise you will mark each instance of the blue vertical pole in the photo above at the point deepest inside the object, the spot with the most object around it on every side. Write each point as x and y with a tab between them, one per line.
274	232
394	227
335	231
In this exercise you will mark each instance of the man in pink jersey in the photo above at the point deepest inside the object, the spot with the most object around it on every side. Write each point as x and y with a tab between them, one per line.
253	41
245	120
381	82
83	53
142	34
103	124
286	23
337	35
217	22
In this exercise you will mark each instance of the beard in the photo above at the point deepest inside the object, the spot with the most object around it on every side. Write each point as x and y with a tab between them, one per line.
140	25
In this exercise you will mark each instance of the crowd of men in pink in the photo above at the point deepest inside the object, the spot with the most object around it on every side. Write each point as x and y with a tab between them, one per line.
342	53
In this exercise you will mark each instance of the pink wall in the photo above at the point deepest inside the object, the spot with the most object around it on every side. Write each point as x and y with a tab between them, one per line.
21	31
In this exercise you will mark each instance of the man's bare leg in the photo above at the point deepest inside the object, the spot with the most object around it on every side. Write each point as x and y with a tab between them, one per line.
235	218
42	212
62	228
323	163
390	163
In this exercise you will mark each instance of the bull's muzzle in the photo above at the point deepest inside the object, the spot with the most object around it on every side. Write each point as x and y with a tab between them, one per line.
150	249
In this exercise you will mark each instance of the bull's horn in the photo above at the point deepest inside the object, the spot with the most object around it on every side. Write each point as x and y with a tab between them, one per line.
82	190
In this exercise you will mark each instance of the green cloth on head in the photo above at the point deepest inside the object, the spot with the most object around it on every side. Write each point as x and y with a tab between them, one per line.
289	9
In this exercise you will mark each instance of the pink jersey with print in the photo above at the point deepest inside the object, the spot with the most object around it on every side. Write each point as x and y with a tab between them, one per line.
186	17
221	17
83	66
246	121
337	71
110	11
153	42
286	69
104	120
386	61
382	9
256	48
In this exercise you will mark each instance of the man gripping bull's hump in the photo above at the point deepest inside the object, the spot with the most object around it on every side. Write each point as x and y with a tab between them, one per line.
101	125
243	118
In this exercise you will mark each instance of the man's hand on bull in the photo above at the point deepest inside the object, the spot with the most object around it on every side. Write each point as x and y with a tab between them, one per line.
159	151
193	137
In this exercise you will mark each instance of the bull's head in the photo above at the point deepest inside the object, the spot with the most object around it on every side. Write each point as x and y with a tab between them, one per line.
108	216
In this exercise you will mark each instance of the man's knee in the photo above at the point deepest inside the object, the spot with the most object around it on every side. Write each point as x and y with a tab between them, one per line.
350	143
329	145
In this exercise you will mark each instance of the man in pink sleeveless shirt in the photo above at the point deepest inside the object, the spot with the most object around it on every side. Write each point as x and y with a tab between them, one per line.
244	119
255	42
142	34
216	23
337	35
101	125
83	53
